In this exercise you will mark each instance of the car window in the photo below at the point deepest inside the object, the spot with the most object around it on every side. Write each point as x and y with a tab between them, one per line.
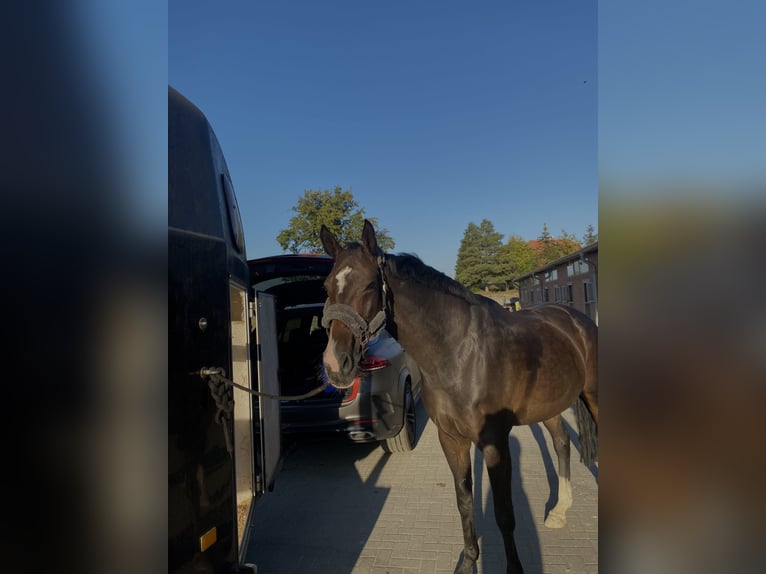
291	325
316	324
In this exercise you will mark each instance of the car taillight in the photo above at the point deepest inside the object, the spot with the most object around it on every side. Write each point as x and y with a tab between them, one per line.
373	363
352	391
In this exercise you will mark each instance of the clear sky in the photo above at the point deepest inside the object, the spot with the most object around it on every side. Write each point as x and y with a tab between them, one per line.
682	92
435	114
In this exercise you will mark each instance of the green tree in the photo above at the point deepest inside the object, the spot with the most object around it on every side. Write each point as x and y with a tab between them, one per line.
590	236
518	257
545	236
565	235
339	211
549	248
479	264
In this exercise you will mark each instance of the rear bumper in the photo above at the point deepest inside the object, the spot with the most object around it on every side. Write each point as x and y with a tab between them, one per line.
367	418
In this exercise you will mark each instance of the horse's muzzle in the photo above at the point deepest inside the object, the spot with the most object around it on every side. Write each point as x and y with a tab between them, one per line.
340	381
340	366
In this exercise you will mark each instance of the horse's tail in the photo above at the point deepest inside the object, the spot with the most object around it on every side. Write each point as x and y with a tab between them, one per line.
588	437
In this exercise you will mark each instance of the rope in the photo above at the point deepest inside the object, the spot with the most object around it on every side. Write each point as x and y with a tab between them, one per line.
219	376
224	400
223	395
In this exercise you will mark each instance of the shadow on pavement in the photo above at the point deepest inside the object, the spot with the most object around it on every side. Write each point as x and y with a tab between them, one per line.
321	512
492	550
551	469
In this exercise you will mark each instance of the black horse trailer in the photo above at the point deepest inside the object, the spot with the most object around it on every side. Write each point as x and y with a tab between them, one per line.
222	454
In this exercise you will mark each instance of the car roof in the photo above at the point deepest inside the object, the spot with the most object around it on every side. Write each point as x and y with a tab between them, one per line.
265	268
292	279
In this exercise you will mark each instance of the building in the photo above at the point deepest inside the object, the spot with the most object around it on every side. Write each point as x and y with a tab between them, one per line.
571	280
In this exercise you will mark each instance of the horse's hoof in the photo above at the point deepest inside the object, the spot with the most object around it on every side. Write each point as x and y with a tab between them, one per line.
555	521
466	566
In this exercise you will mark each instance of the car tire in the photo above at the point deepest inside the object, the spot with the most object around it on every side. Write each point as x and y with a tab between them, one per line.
407	438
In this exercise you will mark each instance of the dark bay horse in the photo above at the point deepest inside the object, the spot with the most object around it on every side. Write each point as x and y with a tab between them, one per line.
484	369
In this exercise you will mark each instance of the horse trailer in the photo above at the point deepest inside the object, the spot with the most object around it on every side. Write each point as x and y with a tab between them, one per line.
222	455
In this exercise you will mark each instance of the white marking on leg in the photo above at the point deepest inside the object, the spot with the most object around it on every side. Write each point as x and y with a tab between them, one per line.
341	278
565	494
557	517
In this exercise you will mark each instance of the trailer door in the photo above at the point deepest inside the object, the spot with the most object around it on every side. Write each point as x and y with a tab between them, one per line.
268	409
244	466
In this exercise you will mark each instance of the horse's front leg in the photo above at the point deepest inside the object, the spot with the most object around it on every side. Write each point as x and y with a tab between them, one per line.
497	457
457	452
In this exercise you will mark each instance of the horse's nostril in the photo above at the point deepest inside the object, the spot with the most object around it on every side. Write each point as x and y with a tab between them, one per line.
346	364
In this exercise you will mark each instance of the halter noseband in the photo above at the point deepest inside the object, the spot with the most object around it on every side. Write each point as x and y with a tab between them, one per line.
347	315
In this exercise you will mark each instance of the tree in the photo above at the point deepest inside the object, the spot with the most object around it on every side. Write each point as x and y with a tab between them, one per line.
518	257
590	236
336	209
568	236
545	236
479	264
549	249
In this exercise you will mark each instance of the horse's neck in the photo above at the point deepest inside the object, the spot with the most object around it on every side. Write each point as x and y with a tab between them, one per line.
420	323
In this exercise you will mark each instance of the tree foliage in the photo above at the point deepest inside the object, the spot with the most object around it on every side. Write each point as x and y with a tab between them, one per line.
590	236
518	256
549	248
485	263
479	263
339	211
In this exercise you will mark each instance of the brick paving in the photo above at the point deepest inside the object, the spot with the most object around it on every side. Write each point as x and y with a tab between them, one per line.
338	507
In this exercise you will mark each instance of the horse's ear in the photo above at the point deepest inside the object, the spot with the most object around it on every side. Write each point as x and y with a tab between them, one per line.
368	237
330	244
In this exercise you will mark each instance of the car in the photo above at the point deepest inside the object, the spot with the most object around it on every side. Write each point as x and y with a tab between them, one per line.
379	406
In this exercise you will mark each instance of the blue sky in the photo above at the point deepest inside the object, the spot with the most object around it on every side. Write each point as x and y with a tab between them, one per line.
435	114
682	93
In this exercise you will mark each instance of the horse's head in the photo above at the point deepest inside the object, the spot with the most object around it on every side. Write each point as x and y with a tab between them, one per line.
354	312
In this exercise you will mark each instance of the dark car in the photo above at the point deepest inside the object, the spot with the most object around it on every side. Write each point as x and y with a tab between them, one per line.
379	406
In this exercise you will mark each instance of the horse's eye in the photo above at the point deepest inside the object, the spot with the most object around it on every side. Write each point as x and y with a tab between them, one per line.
372	286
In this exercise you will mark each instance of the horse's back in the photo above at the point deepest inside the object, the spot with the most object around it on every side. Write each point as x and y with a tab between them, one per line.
549	356
568	320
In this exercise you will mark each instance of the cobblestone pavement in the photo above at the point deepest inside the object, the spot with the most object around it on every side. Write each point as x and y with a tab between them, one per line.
339	507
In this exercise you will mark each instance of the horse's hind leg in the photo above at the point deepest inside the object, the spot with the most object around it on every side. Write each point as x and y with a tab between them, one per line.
590	397
498	460
588	425
557	516
590	388
457	452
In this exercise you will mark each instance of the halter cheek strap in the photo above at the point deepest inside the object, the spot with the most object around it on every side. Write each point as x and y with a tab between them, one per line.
346	314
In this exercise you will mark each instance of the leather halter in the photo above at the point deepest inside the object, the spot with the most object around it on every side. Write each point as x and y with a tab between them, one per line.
362	330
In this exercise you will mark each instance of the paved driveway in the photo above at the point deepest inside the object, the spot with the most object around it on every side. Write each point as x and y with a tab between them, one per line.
343	508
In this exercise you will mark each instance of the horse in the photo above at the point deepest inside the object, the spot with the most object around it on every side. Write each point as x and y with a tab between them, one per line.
484	370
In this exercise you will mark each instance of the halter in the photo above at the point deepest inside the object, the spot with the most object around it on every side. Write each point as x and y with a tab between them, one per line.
347	315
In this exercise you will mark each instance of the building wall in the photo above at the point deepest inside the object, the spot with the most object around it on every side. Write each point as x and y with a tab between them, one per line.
564	283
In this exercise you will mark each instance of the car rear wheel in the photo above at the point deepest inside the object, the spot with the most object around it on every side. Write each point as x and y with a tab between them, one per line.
407	437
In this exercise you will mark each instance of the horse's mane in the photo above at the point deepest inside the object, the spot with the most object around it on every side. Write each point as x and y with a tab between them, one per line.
411	268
